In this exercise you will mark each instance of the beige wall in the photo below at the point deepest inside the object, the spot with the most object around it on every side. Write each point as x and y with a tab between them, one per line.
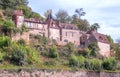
24	36
55	34
71	35
104	49
20	20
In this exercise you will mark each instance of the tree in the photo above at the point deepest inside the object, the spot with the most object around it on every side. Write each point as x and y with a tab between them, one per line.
12	3
48	12
80	12
80	23
63	16
8	27
53	52
95	26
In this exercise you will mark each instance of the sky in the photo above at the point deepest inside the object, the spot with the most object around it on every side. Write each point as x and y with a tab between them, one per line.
104	12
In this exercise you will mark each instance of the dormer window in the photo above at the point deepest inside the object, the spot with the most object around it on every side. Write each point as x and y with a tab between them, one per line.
101	38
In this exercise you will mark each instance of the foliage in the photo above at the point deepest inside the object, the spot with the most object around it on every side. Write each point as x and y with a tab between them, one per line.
21	42
93	64
77	61
23	29
18	55
47	13
109	63
53	52
93	47
4	41
63	16
80	12
8	27
80	23
1	56
33	56
70	47
73	61
95	26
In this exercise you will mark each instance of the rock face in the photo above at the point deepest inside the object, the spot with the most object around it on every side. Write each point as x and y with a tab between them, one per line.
44	73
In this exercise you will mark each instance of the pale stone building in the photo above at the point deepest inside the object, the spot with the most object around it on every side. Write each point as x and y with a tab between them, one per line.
62	32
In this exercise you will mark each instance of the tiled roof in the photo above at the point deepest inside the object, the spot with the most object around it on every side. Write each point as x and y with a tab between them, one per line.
67	26
33	20
18	12
101	37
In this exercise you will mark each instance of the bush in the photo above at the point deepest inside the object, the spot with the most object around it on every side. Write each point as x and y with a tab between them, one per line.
93	49
1	56
21	42
109	63
73	61
77	61
18	55
53	52
93	64
71	47
33	56
4	41
18	58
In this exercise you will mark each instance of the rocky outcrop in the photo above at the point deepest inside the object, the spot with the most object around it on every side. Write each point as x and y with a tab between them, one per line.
51	73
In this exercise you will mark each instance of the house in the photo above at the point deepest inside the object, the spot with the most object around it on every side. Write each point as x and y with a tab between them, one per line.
101	40
62	33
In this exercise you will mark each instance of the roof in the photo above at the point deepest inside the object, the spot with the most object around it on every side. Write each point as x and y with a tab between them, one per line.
18	12
68	26
101	37
33	20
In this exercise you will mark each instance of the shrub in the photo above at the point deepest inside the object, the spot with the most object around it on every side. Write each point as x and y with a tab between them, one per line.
33	56
73	61
4	41
94	49
109	63
53	52
18	55
77	61
21	42
1	56
93	64
18	58
71	47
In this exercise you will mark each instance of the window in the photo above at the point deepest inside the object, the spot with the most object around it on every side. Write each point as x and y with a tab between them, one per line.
72	34
66	40
66	33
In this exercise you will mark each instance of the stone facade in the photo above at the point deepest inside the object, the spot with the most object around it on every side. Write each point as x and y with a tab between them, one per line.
62	32
61	73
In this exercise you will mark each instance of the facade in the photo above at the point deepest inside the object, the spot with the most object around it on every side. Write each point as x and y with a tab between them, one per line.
62	32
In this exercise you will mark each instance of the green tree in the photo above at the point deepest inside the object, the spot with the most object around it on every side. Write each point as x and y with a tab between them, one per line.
8	27
95	26
63	16
93	47
80	12
80	23
53	52
48	12
109	63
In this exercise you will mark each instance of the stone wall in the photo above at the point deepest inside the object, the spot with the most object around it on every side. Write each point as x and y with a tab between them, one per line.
104	49
24	36
49	73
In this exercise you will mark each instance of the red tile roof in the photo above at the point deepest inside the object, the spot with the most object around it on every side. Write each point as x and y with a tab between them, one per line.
18	12
101	37
67	26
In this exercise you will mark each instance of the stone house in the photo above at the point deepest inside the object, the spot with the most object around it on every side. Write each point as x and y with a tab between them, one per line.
101	40
62	32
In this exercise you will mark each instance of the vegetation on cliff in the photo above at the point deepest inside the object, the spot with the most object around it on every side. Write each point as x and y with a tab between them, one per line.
45	53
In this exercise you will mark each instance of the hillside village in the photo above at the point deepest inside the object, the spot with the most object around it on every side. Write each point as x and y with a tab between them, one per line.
62	33
30	41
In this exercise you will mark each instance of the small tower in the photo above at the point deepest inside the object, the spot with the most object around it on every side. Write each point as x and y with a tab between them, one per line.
18	18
